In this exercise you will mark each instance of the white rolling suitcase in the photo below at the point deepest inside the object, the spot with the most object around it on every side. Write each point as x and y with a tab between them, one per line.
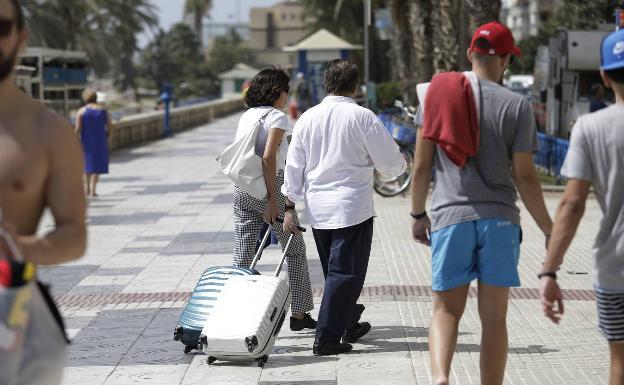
247	316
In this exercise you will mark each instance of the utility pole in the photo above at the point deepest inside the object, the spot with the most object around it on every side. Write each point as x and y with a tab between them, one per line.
367	23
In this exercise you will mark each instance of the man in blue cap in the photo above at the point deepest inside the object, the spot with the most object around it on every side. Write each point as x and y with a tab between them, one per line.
596	158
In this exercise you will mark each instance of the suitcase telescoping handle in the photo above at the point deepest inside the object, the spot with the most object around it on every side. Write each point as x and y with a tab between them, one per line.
264	239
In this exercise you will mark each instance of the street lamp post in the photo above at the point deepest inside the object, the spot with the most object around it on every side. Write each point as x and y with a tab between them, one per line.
166	96
367	23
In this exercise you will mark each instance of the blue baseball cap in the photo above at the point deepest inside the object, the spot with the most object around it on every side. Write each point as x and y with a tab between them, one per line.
612	51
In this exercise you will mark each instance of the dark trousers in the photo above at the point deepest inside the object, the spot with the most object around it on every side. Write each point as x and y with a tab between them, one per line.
344	257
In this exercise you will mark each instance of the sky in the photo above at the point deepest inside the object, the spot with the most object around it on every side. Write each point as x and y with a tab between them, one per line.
170	12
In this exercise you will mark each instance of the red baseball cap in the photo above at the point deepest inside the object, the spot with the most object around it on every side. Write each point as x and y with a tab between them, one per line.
500	38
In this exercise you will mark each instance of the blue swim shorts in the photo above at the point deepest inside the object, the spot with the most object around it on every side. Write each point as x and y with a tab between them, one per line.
485	249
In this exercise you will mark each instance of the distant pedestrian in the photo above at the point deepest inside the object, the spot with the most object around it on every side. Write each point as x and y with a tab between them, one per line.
245	88
40	170
479	137
93	125
595	159
335	148
266	96
303	96
597	98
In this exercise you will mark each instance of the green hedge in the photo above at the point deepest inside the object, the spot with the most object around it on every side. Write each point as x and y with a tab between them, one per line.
387	93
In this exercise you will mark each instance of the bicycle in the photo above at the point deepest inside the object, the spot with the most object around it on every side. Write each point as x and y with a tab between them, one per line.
403	130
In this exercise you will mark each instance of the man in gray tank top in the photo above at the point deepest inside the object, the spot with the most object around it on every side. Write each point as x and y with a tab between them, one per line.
474	229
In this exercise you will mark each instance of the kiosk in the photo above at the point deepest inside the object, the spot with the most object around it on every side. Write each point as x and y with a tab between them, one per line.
313	54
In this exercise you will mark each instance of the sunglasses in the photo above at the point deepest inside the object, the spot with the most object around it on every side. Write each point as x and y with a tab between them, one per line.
6	27
512	58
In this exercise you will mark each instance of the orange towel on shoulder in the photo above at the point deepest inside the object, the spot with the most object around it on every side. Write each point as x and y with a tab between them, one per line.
451	118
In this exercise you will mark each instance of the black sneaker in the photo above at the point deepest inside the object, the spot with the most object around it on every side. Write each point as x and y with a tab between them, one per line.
357	332
299	324
326	348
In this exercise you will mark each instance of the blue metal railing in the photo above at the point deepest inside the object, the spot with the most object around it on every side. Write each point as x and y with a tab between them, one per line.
402	133
551	154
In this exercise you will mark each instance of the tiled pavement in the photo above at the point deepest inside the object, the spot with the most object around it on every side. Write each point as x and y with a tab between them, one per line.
164	215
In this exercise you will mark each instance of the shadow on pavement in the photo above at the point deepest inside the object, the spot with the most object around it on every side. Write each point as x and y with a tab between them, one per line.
380	340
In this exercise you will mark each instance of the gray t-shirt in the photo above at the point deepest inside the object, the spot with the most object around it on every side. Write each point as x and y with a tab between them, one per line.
484	187
596	154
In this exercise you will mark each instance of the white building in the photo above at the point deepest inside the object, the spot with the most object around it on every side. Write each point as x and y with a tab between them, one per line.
273	28
232	81
524	17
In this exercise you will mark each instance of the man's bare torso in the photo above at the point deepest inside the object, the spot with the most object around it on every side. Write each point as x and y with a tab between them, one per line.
25	163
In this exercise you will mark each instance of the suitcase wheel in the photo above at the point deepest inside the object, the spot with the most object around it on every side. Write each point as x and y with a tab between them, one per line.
177	333
187	349
211	360
252	343
262	360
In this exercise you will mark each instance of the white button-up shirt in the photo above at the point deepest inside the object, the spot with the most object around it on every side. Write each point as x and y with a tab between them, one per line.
334	150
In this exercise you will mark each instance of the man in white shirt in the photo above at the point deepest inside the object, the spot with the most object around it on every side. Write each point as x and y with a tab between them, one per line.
334	150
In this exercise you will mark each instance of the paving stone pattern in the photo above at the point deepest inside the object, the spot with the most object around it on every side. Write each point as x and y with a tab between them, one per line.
164	215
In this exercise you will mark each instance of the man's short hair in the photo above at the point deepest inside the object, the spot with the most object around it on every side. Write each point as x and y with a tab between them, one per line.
89	96
341	77
616	75
19	14
596	88
483	58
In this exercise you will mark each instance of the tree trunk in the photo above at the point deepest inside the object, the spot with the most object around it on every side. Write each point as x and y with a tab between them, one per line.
474	14
433	35
446	19
465	34
482	12
420	21
402	48
199	17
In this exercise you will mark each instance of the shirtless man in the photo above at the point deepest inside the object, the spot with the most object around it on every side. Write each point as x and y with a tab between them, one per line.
40	167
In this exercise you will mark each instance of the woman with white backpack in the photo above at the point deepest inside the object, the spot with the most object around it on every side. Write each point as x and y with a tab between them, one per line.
266	97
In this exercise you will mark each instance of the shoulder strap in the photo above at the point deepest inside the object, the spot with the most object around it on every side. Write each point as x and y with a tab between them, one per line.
263	117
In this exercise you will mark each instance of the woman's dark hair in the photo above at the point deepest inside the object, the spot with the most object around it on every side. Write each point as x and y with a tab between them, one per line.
616	75
266	87
341	77
19	14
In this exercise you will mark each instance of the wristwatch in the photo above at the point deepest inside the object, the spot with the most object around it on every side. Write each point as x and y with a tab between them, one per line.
288	207
550	274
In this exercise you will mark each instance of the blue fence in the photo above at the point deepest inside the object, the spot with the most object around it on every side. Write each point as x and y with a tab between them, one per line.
54	75
402	133
76	75
551	154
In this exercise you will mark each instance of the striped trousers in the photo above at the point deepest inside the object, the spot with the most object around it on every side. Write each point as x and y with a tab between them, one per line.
248	221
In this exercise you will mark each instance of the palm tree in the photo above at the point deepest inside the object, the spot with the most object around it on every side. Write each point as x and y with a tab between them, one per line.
197	9
97	27
401	47
125	20
419	15
445	16
71	25
432	35
481	12
343	18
